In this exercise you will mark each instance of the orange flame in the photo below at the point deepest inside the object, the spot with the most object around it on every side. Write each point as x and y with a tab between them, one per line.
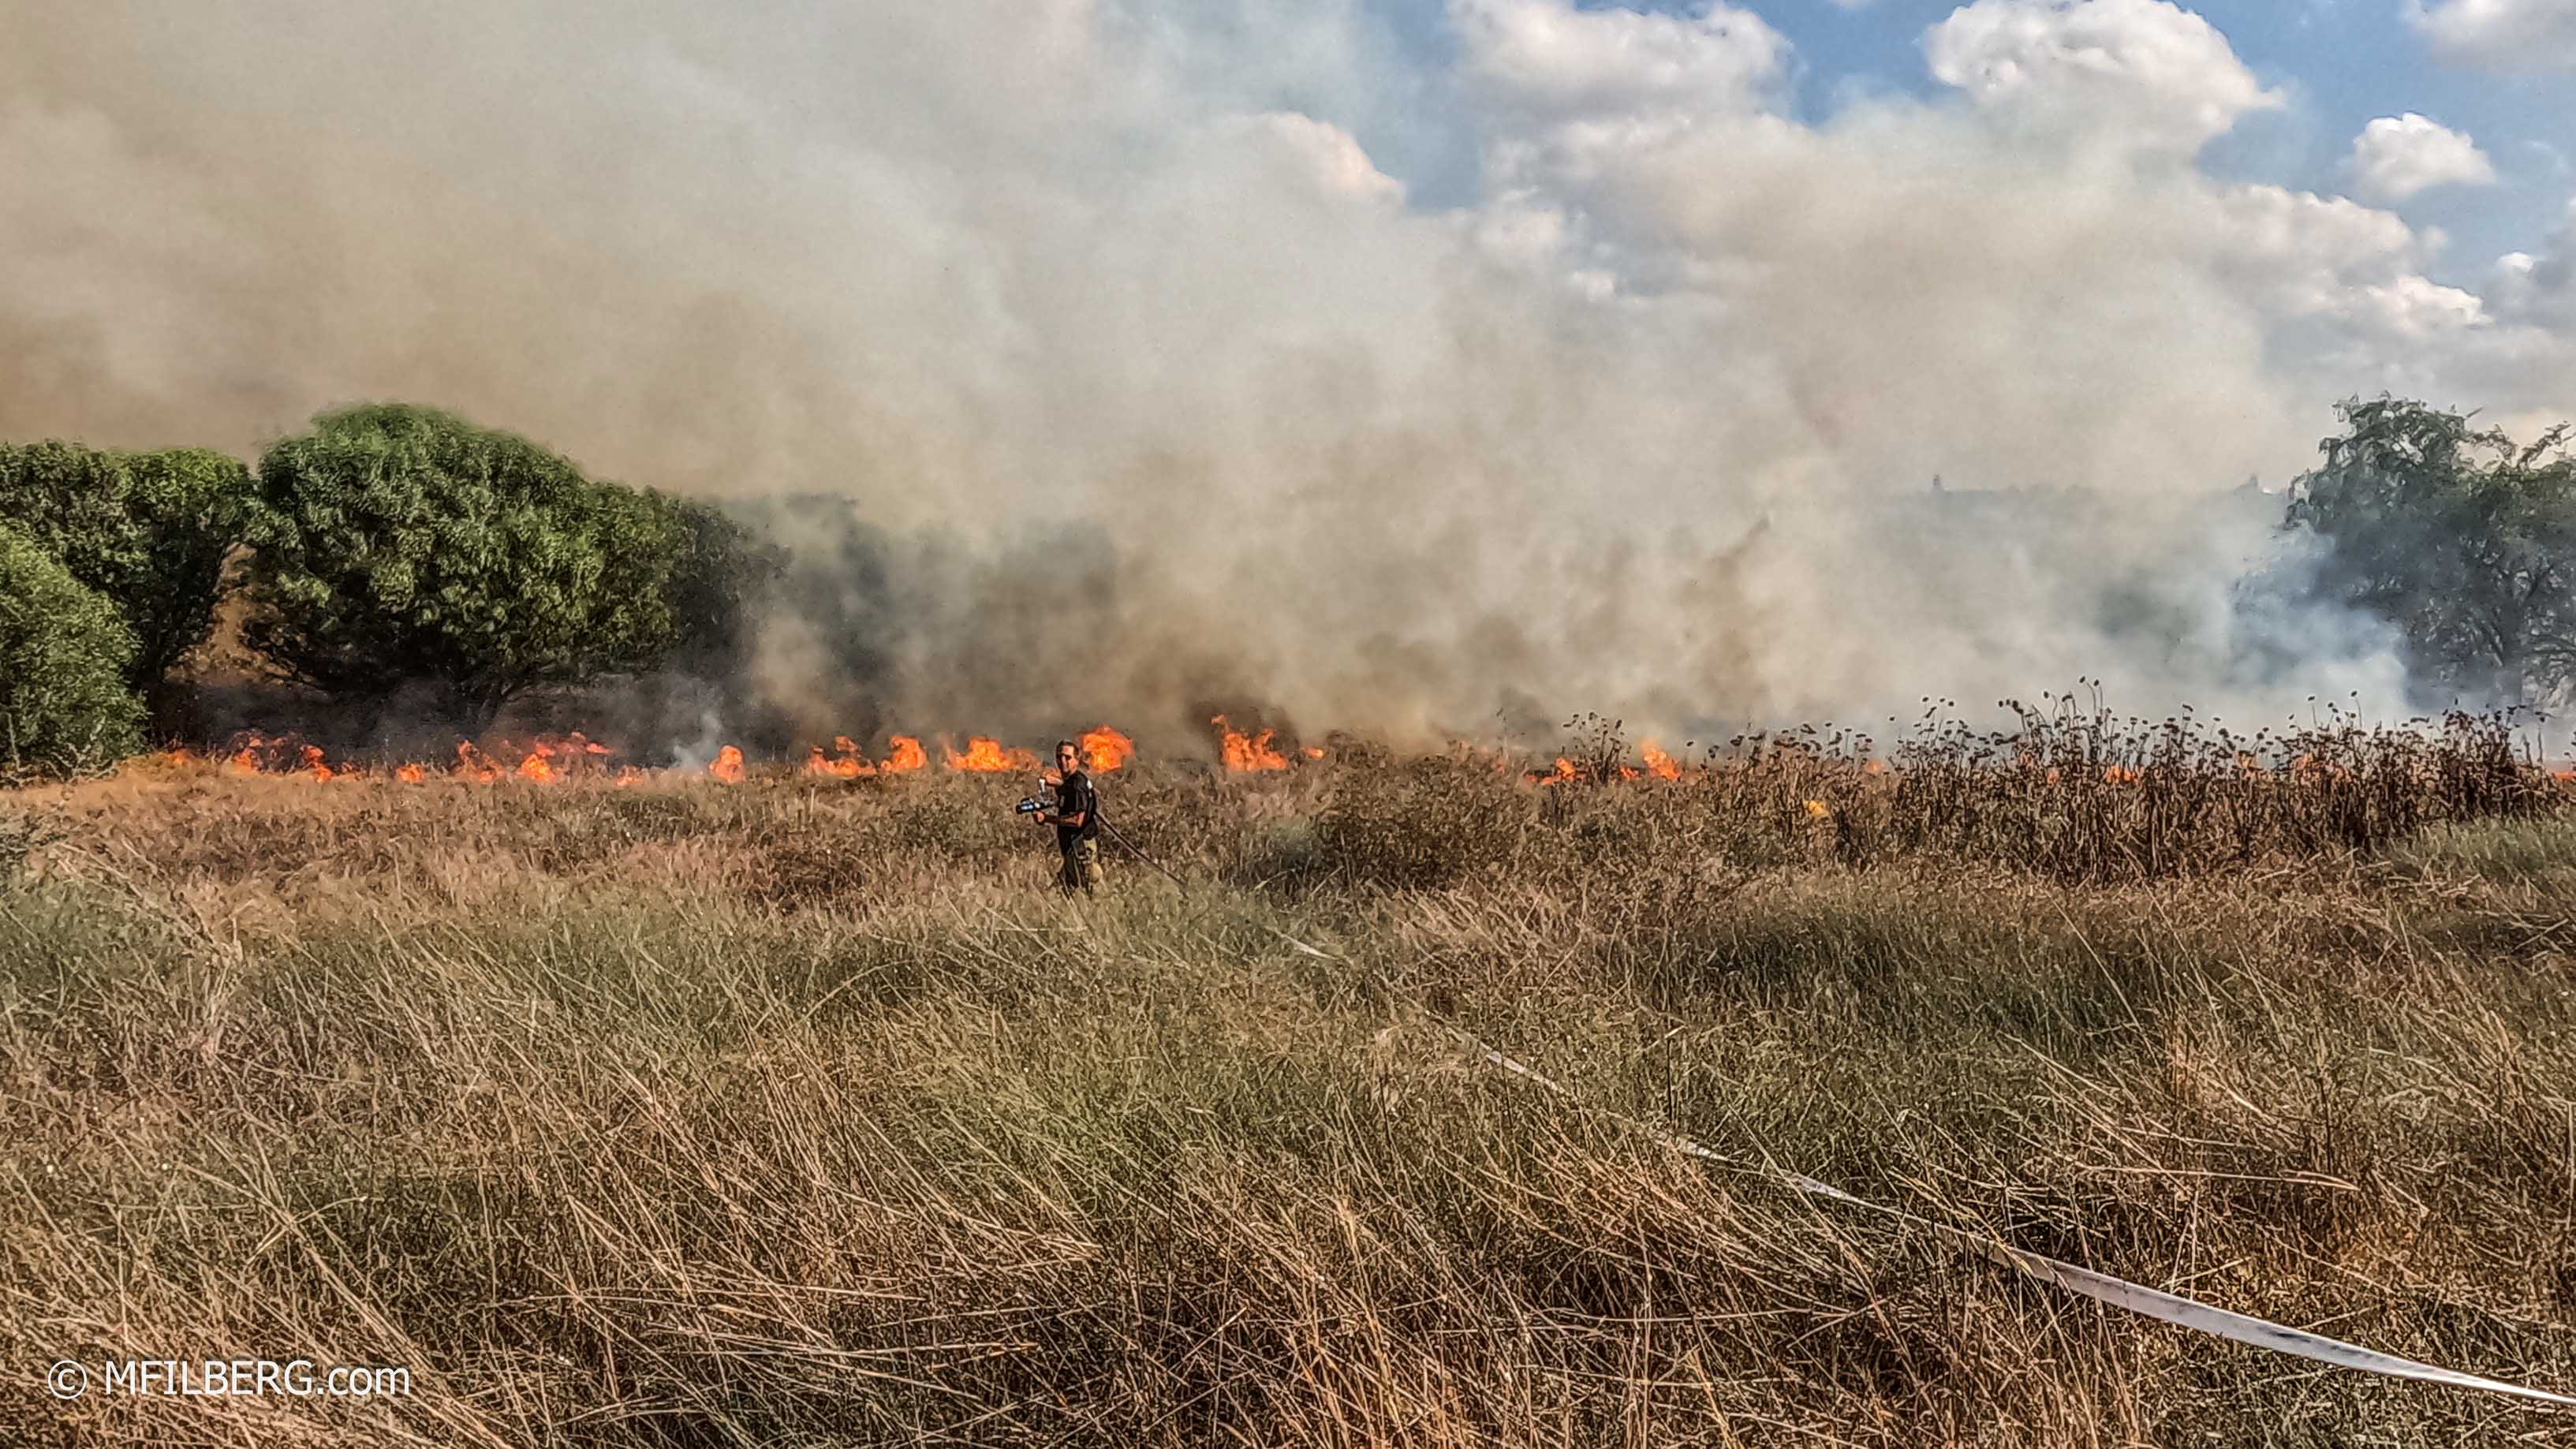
1658	764
1564	773
986	756
1247	753
908	755
549	760
848	764
1105	749
1314	752
727	766
256	754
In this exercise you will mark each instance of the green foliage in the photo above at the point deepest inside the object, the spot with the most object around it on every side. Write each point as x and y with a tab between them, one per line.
722	574
150	531
400	543
64	707
2462	538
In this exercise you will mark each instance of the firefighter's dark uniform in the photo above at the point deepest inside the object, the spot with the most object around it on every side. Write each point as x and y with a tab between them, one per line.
1080	844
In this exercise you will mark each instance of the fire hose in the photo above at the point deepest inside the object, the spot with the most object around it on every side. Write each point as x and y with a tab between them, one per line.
1139	854
1039	804
2101	1287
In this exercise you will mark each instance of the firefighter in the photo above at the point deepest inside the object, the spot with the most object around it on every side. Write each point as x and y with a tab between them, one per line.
1076	818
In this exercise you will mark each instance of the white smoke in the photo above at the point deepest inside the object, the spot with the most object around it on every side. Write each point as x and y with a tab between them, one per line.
1412	365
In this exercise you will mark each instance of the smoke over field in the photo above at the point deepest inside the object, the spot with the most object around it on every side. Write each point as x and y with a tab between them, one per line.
1408	368
1688	636
1528	509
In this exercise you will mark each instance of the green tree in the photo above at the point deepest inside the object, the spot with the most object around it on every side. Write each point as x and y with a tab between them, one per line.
723	575
2462	538
398	543
150	531
64	705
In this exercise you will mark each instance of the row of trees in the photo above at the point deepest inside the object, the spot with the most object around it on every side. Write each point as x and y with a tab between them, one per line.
390	547
387	547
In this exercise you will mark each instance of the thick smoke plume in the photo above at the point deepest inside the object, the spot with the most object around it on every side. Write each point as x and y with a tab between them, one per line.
1405	368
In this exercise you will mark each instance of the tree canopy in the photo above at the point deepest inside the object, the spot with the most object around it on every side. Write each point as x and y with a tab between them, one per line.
64	704
723	574
149	531
2457	535
397	543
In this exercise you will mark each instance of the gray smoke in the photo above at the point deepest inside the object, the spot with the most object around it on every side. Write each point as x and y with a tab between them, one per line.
1134	382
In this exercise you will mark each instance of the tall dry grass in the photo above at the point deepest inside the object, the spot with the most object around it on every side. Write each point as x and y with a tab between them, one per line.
802	1113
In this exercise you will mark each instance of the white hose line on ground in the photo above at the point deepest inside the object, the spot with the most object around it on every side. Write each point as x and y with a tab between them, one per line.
2101	1287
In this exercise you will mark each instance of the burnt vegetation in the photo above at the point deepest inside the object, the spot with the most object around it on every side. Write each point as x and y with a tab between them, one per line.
2070	791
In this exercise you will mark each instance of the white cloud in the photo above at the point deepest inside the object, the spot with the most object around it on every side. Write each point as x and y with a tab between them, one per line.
2143	73
1548	61
1322	155
2413	308
2298	255
2503	35
2397	157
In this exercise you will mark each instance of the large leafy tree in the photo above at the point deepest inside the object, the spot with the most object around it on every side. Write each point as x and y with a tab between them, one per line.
724	574
64	704
149	531
400	543
2462	538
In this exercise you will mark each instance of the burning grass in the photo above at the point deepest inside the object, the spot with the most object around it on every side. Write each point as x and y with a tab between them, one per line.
800	1112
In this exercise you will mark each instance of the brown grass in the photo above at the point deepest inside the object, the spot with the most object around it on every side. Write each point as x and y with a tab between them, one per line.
802	1113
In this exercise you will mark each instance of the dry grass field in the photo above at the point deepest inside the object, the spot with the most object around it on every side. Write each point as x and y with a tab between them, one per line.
801	1112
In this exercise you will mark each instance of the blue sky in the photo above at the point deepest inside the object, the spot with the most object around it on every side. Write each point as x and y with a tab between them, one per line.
2337	64
2341	63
